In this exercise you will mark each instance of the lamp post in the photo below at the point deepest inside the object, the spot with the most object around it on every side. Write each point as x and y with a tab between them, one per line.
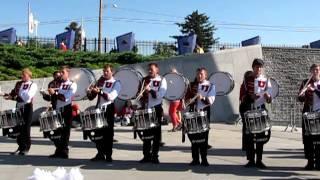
100	26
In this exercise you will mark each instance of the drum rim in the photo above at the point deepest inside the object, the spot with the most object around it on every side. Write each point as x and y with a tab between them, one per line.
187	82
229	76
91	77
277	94
139	74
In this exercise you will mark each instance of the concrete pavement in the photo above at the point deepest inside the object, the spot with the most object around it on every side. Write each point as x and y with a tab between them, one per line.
283	156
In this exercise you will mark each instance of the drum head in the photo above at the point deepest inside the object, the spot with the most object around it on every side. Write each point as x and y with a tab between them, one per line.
83	78
130	80
275	88
223	82
176	86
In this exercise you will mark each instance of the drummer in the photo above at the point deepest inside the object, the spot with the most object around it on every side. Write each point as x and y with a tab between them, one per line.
107	89
254	93
205	92
310	95
55	84
64	97
156	88
24	92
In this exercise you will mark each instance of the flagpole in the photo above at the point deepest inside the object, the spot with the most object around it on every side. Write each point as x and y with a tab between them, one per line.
28	16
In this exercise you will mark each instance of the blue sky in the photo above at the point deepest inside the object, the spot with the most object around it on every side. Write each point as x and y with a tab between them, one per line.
276	21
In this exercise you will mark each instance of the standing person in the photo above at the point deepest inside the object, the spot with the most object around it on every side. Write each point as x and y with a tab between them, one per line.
54	84
174	110
24	92
309	93
254	93
107	89
205	93
63	46
64	96
156	88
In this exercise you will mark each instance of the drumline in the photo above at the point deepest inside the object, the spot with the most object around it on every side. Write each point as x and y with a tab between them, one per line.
256	120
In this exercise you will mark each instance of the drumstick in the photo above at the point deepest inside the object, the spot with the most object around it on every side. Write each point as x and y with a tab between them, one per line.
305	86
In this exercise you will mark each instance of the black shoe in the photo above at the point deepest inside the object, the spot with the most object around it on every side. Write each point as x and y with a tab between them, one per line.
145	160
250	164
109	159
162	144
194	163
204	163
98	157
155	160
15	152
309	166
23	153
260	165
209	146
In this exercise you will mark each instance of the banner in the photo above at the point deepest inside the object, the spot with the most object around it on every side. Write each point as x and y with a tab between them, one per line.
252	41
68	38
125	42
8	36
186	44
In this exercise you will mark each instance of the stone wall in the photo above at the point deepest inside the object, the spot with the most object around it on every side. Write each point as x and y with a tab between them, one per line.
289	66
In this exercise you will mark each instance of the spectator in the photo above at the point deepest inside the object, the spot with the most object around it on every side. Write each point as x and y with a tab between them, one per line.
199	49
175	111
63	46
126	114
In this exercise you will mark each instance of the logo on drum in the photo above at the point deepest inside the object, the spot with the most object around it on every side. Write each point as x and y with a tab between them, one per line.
108	84
261	83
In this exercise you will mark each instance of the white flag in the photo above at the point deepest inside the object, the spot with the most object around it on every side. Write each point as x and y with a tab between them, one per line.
31	23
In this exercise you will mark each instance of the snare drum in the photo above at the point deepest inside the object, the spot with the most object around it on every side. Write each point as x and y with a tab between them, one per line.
93	119
10	118
50	121
177	86
145	119
257	121
223	82
196	122
132	79
311	123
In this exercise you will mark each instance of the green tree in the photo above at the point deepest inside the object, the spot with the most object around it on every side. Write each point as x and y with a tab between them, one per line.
77	29
199	24
164	49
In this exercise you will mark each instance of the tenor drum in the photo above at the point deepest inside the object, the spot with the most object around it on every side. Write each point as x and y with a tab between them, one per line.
196	122
257	121
177	86
50	121
93	119
145	119
132	79
223	82
311	123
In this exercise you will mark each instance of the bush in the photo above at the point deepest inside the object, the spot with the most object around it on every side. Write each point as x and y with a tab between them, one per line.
44	61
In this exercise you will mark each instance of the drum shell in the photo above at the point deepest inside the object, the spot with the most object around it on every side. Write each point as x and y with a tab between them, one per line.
257	121
83	77
125	76
50	121
196	122
223	82
311	123
93	119
176	83
11	118
145	119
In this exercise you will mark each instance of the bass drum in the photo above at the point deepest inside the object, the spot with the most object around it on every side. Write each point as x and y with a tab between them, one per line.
177	86
223	82
83	77
275	88
131	79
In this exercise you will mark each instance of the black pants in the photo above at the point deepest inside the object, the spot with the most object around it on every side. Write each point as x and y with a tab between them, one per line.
312	149
199	144
62	142
105	145
24	139
151	146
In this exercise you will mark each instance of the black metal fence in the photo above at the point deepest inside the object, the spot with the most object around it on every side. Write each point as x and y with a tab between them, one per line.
142	47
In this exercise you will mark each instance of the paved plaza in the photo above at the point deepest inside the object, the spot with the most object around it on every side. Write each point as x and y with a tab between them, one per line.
283	156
